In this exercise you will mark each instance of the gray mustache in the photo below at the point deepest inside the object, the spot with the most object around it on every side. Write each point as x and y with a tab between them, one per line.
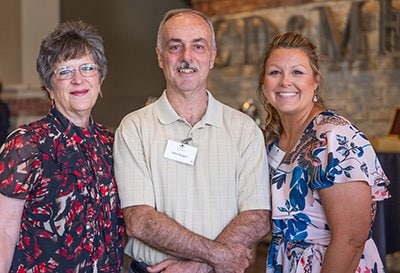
187	65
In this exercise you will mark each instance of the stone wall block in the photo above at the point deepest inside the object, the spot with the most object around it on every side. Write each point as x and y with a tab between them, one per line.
362	81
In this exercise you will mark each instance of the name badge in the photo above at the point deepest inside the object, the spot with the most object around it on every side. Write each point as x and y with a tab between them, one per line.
180	152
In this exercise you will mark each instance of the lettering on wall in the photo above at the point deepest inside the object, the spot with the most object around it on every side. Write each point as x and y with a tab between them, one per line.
243	40
389	29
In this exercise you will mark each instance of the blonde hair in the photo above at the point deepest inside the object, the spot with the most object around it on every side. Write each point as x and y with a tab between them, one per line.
273	126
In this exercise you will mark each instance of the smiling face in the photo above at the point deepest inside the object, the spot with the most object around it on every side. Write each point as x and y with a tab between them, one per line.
290	82
75	97
186	54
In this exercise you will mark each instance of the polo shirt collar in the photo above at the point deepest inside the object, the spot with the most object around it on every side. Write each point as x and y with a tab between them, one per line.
167	115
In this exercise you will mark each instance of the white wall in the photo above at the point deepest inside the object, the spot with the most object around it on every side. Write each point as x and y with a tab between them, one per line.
23	24
10	41
38	18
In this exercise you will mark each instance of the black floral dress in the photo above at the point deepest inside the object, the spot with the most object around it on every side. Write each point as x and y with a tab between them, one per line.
72	220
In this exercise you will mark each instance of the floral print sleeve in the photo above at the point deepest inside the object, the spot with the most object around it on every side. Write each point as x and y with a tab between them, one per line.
19	166
347	156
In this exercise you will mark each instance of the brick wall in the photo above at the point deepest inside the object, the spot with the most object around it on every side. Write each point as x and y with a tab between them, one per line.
362	79
26	104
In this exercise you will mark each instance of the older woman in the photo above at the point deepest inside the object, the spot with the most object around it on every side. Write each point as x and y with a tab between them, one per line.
325	176
59	206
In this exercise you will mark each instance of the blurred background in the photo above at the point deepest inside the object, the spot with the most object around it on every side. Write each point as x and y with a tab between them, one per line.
360	40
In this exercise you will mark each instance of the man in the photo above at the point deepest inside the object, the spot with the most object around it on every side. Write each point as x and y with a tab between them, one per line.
192	172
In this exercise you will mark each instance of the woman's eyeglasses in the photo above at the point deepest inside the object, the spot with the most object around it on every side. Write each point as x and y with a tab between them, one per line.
67	72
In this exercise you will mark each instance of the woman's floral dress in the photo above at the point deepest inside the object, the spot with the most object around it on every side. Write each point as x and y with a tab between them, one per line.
72	220
331	150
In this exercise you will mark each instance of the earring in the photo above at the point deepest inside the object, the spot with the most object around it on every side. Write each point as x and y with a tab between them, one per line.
101	94
315	98
52	102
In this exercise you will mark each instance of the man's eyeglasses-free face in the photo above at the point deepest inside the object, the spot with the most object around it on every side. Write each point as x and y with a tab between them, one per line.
67	72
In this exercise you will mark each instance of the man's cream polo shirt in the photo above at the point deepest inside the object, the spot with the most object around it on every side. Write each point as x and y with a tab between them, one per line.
229	175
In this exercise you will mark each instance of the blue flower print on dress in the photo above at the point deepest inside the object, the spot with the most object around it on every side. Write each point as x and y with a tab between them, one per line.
330	151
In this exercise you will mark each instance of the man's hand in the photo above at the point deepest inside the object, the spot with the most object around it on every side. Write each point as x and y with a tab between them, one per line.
184	266
233	258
